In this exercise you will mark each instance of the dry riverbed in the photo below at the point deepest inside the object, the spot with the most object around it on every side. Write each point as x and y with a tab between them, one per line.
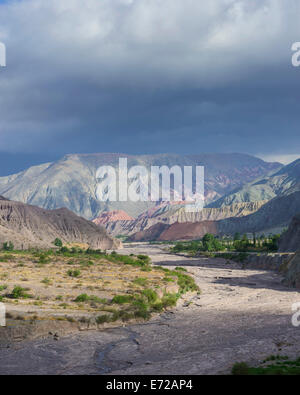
241	315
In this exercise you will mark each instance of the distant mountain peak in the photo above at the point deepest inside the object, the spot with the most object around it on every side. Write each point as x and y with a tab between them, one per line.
283	182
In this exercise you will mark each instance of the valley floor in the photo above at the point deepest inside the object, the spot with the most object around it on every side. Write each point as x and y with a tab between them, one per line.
242	315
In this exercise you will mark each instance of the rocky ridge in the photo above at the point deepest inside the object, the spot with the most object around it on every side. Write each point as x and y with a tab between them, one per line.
29	226
172	214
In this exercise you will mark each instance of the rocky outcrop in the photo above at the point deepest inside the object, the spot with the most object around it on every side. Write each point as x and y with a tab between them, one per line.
236	210
290	241
267	261
112	216
292	272
151	234
71	182
188	231
177	231
170	214
30	226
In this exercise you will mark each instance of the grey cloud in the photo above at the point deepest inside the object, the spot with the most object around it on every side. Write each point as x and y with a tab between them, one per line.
149	75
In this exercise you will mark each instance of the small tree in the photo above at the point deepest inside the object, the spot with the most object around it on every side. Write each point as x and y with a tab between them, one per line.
237	236
273	245
208	242
245	239
254	239
57	242
8	246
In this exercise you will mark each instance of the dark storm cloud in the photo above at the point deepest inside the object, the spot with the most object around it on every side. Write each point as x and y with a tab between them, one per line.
143	76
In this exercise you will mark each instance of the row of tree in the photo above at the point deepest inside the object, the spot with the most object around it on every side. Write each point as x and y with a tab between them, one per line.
239	243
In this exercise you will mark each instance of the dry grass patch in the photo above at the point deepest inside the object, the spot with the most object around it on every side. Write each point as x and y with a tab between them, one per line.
81	285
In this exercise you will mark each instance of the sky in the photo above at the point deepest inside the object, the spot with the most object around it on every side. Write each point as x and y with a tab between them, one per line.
148	76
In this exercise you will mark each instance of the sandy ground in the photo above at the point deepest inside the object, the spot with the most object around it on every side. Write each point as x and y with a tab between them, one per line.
242	315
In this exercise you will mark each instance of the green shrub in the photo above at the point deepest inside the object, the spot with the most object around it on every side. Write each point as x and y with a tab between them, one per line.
96	299
90	251
116	316
122	299
82	298
58	243
103	318
8	246
150	294
157	307
128	260
146	269
89	298
73	273
186	283
276	358
64	250
46	281
240	369
144	258
169	300
126	315
87	263
141	308
140	281
142	314
19	293
44	258
169	279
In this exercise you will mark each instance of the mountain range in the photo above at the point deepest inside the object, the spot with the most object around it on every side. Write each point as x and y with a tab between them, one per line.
242	211
243	194
282	183
71	182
